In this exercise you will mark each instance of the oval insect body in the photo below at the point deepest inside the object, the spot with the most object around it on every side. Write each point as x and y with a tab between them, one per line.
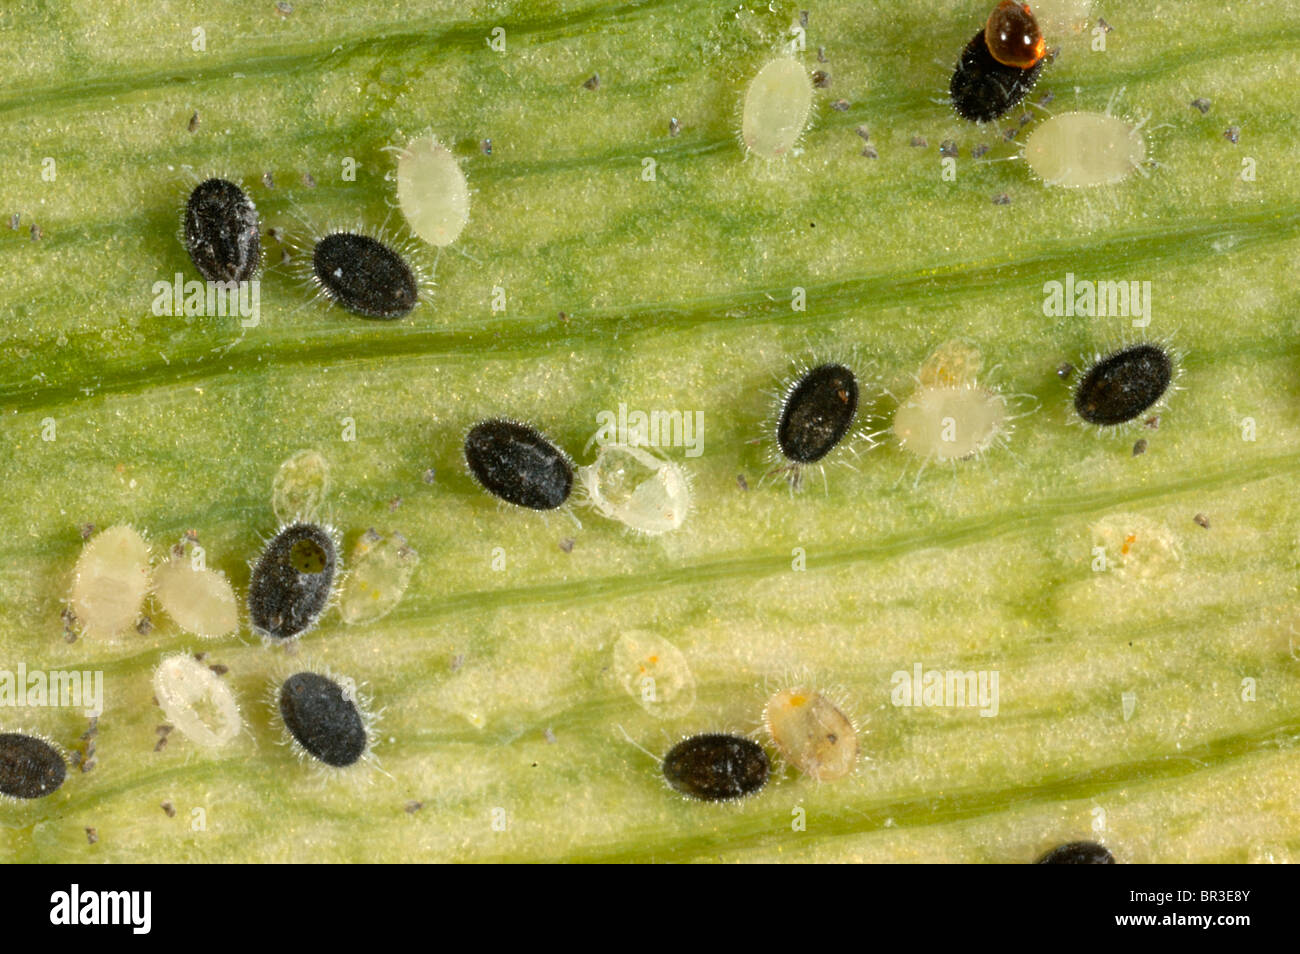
323	718
1078	853
982	89
378	574
196	701
1123	385
655	673
817	413
1081	149
292	581
30	767
110	582
643	491
200	601
715	767
518	464
432	191
777	104
950	423
222	232
812	733
364	275
300	486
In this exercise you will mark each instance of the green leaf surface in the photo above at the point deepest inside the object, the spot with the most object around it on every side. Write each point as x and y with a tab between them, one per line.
669	294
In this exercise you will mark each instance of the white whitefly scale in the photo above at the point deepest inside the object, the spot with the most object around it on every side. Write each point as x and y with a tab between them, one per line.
197	701
110	582
1083	149
950	415
640	489
432	191
199	600
778	101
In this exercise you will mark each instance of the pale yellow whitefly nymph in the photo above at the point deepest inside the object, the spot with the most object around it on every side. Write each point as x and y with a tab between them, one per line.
110	582
196	701
777	104
812	733
1079	150
432	191
198	599
655	673
381	569
640	489
950	416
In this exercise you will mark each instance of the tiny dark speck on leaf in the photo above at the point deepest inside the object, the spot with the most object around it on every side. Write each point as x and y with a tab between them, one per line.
1002	199
1101	22
283	7
592	82
979	150
219	669
919	142
144	626
92	836
486	147
863	131
567	544
840	105
948	148
1201	520
37	232
741	482
413	807
870	152
1140	447
1064	371
1200	103
169	809
821	54
821	79
430	476
194	122
309	180
268	180
161	744
674	126
1232	134
14	220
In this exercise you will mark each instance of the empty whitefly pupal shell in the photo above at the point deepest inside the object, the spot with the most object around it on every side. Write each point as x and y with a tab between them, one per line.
1080	149
196	701
199	600
950	423
110	582
300	487
381	569
1059	19
777	104
432	191
808	729
655	673
637	488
